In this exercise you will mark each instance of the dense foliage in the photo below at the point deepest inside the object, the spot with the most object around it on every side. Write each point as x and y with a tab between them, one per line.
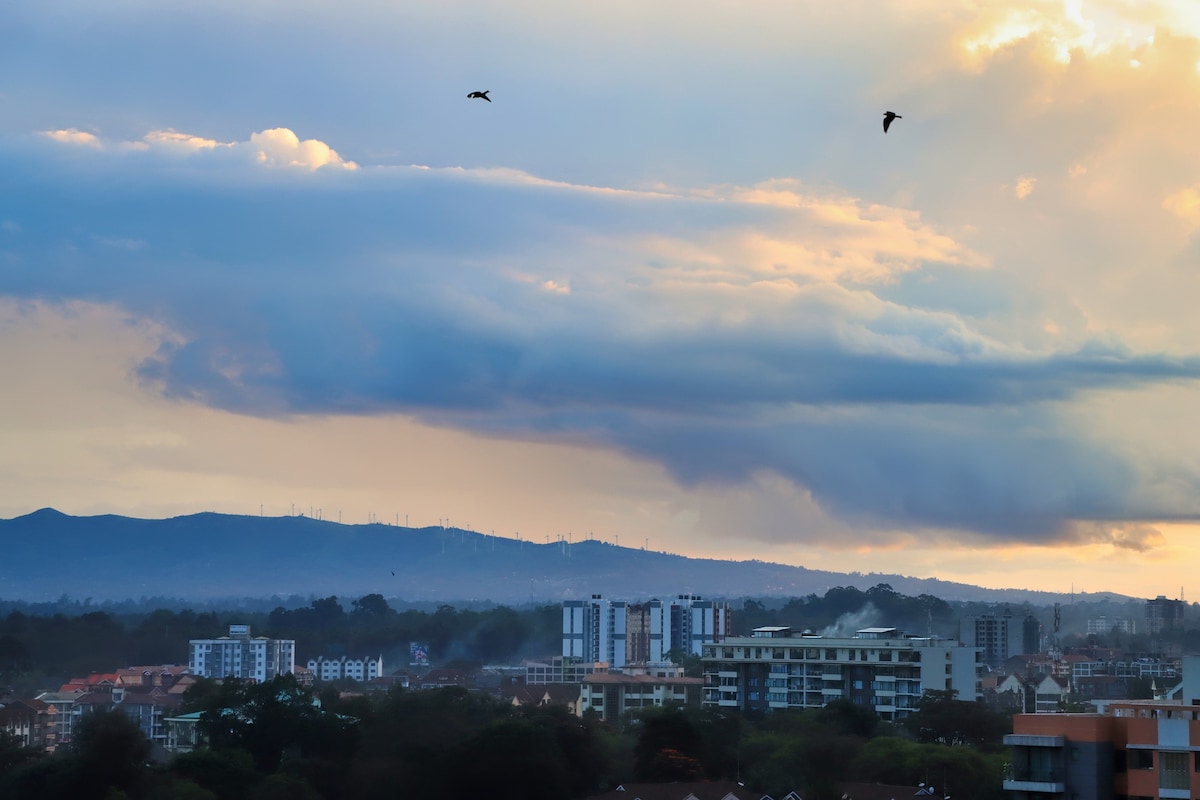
37	651
280	740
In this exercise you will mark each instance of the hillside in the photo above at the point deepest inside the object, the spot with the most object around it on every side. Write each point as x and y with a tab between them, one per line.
46	554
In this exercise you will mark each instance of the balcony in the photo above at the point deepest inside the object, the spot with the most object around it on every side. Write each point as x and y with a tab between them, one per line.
1035	780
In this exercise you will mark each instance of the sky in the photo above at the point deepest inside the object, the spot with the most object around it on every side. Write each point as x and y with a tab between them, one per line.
673	287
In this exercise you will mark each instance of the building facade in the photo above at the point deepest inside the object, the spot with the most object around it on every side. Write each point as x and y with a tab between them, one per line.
324	668
610	696
32	722
1105	625
1136	749
560	670
619	633
879	668
1162	613
1000	637
595	630
239	655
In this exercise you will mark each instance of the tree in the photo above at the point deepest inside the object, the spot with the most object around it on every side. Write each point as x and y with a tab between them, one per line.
668	728
940	717
268	719
226	772
371	606
111	751
693	665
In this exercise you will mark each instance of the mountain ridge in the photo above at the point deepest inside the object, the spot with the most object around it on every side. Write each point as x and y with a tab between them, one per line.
208	555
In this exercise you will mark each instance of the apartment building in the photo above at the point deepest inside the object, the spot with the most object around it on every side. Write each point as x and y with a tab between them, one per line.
619	633
1136	749
240	655
610	695
1000	637
1162	613
595	630
325	668
881	668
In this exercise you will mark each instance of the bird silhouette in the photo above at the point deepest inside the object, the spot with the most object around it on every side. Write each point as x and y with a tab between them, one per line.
483	95
888	116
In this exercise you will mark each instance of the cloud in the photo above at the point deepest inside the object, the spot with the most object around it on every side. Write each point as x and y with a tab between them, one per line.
272	148
182	143
1184	203
280	147
764	296
1136	537
73	136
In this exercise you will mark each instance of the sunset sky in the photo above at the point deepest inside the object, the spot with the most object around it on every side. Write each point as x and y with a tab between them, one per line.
673	287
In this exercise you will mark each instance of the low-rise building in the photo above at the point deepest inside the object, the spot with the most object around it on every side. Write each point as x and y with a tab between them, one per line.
880	668
1136	749
31	722
611	695
325	668
561	669
550	694
148	707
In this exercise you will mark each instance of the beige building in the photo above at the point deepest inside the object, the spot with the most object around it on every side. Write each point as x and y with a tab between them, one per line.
611	695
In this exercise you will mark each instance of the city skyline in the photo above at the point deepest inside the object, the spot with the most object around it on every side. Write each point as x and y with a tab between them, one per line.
672	285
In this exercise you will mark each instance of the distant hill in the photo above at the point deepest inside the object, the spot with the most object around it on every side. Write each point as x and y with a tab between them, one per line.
47	554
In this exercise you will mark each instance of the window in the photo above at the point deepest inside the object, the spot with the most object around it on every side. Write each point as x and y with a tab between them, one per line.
1173	771
1141	759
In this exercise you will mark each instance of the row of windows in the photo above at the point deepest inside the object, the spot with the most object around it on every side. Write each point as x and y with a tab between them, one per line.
813	654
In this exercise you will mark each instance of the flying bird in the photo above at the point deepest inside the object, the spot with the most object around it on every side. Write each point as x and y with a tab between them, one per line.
483	95
888	116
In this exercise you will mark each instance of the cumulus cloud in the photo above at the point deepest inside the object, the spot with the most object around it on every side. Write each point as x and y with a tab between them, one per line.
74	136
1024	187
280	147
273	148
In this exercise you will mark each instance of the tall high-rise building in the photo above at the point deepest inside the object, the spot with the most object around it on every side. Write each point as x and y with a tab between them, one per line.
998	637
1162	613
621	633
595	630
239	655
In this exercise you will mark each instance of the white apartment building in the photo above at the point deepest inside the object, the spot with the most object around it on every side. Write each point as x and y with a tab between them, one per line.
880	668
1108	624
595	630
619	633
239	655
325	668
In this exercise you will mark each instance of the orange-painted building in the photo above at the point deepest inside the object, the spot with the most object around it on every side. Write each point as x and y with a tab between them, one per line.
1139	749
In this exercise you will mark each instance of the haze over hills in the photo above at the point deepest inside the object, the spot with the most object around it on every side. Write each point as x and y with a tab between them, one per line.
210	556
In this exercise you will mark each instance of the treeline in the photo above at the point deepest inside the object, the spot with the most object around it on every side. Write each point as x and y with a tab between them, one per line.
273	741
848	609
